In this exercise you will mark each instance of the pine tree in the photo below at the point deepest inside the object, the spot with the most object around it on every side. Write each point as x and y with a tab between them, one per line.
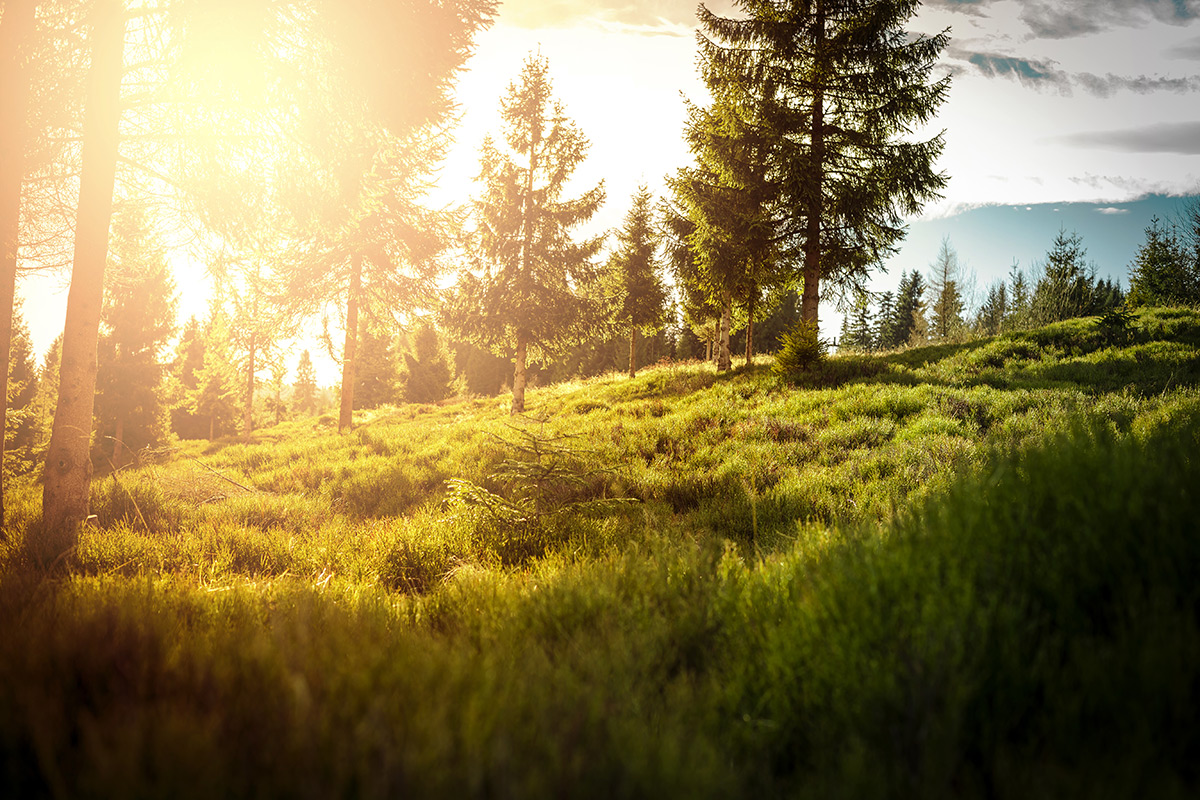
857	328
993	312
21	419
427	375
1160	273
840	84
377	375
533	297
633	276
304	393
1066	287
137	320
883	336
946	320
1020	309
216	397
909	326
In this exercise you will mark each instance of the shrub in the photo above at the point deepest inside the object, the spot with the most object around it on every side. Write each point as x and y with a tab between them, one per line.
800	349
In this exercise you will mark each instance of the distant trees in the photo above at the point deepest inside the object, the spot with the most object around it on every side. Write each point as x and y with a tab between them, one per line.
532	296
633	275
428	374
304	391
838	85
946	310
1165	269
138	318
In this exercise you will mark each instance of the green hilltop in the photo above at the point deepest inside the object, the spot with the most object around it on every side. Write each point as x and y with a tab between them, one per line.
963	570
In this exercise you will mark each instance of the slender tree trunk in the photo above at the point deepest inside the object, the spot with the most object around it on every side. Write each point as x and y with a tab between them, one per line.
812	245
632	352
212	427
16	29
518	390
248	413
724	359
750	308
118	442
68	470
349	350
708	348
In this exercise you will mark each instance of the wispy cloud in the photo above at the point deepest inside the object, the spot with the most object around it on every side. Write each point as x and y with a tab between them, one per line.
1064	19
1112	210
1175	138
1044	74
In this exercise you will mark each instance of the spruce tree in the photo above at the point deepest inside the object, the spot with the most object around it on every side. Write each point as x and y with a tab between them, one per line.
909	325
304	392
1019	300
532	297
377	375
1160	272
1066	287
993	312
21	417
633	276
885	322
946	310
137	320
840	84
427	372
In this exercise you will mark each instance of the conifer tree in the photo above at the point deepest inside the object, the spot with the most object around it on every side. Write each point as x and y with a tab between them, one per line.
216	396
137	319
21	419
909	317
1019	300
946	310
533	298
633	275
993	312
304	392
856	325
841	84
1160	272
885	322
1066	286
377	374
427	372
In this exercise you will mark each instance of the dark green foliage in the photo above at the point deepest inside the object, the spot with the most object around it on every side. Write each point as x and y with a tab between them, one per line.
427	374
138	318
834	88
857	328
800	349
994	310
908	323
1163	272
377	369
946	307
1066	288
532	296
23	421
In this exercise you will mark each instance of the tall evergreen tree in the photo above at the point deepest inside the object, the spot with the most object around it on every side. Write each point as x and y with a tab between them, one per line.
1160	272
216	397
21	419
377	375
909	324
304	392
1020	301
857	330
427	374
841	84
1066	287
138	319
946	310
885	322
633	275
533	296
994	310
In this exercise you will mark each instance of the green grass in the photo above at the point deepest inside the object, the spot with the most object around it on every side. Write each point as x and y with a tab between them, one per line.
958	571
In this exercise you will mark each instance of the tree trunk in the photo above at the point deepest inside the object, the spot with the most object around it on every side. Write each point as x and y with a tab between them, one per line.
68	470
518	390
349	350
248	413
212	426
812	243
708	348
118	443
632	352
750	308
16	29
724	359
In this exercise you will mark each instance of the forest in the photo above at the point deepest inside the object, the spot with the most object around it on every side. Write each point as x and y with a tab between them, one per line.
588	512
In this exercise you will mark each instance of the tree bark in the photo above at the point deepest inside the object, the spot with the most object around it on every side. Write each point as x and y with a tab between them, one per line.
68	464
811	272
632	352
16	29
248	413
518	390
349	350
724	359
750	331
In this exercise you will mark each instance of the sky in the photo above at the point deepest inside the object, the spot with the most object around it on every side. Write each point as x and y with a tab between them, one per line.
1081	115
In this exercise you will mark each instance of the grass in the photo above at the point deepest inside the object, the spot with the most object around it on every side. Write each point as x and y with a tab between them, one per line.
958	571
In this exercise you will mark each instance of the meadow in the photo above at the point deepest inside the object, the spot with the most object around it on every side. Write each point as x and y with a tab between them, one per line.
957	571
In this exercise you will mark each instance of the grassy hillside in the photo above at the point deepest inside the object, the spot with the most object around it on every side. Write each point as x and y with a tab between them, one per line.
961	570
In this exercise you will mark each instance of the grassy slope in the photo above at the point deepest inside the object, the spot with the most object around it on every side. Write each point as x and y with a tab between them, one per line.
965	570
